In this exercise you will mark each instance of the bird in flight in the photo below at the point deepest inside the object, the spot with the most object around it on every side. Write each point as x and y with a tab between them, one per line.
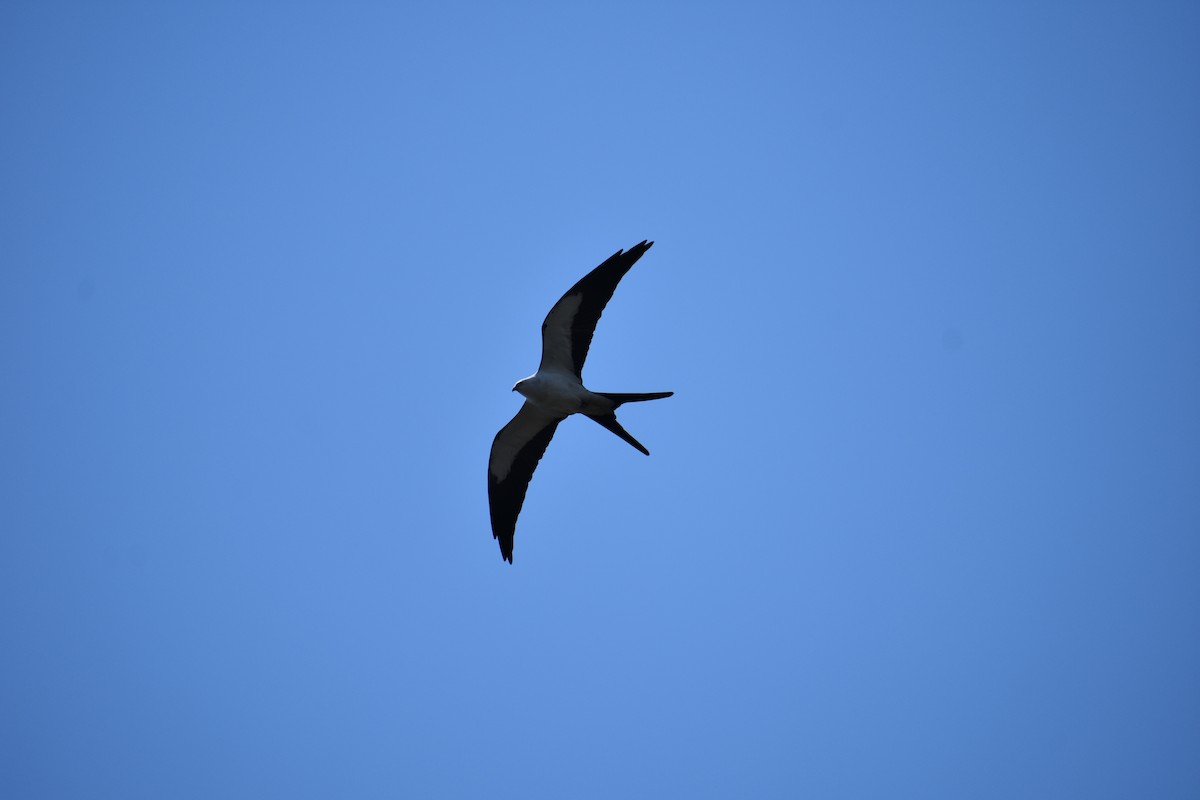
556	391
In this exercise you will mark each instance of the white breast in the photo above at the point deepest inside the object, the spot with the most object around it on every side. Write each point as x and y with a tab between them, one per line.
555	392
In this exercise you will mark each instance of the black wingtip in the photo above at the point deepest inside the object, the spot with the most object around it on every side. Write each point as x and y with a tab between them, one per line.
506	544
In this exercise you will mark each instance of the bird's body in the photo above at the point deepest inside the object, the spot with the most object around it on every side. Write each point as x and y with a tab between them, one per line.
562	394
555	392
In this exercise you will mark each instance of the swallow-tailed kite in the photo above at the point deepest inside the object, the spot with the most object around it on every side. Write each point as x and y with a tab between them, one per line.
556	391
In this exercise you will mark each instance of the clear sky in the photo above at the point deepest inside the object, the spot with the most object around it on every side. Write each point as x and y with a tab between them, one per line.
921	520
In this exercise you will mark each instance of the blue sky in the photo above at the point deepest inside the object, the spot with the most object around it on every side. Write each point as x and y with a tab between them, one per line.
921	520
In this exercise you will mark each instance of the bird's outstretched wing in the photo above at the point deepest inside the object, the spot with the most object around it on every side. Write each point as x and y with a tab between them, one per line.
516	451
567	331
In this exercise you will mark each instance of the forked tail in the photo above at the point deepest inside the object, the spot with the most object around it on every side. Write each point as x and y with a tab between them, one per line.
619	399
610	420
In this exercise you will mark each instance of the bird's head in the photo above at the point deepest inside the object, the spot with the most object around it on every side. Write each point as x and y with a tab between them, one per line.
523	384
